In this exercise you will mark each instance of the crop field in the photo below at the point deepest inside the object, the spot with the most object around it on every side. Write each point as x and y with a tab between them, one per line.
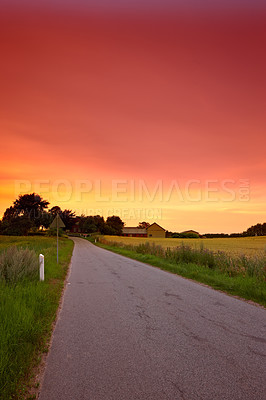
235	246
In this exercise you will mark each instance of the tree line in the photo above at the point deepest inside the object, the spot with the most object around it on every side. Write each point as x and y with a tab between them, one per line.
30	213
256	230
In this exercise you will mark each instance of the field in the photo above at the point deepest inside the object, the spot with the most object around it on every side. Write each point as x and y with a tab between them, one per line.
235	246
27	310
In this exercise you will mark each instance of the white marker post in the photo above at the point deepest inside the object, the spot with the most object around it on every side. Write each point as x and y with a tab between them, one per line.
41	262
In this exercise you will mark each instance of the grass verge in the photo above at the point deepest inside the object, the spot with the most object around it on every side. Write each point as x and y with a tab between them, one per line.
255	245
247	286
27	310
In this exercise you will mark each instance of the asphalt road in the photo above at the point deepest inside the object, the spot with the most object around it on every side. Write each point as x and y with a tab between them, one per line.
128	331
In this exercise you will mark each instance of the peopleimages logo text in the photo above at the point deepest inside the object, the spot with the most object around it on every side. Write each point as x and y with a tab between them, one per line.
123	190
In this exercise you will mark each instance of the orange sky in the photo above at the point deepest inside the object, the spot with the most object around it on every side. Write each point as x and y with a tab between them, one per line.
123	102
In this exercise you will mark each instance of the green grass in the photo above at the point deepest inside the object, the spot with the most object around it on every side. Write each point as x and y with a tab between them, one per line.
235	246
27	310
239	276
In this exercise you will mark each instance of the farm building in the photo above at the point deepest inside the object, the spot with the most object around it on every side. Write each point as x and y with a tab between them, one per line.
76	226
154	230
134	232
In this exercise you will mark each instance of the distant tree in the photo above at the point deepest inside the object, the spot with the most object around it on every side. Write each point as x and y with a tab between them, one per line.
114	225
235	235
55	210
175	235
18	225
99	223
185	235
27	213
89	225
215	235
109	230
10	213
256	230
168	234
189	235
30	204
86	224
45	219
144	225
67	216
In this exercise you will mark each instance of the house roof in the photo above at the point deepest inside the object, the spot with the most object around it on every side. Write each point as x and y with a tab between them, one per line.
156	225
131	230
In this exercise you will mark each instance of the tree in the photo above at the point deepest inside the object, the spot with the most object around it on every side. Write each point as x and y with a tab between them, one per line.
45	219
10	213
114	225
31	206
27	213
87	224
55	210
99	223
256	230
144	225
68	216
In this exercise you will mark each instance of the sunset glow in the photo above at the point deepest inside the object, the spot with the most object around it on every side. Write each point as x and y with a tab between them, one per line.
97	105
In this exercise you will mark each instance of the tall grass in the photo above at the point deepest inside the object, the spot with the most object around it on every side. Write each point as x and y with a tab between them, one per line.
243	265
27	306
235	246
18	264
237	274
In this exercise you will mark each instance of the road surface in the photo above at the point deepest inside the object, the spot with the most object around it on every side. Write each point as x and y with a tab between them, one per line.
128	331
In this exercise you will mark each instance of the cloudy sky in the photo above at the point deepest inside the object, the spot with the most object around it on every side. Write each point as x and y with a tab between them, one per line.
148	109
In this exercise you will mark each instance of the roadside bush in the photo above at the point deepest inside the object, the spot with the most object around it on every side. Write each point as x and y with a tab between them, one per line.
17	264
189	235
53	232
185	235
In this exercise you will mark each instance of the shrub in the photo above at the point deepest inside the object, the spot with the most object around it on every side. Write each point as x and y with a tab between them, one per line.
53	232
17	264
189	235
185	235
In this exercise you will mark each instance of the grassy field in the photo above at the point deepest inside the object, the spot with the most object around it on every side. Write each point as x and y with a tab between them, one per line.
27	310
237	246
230	265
